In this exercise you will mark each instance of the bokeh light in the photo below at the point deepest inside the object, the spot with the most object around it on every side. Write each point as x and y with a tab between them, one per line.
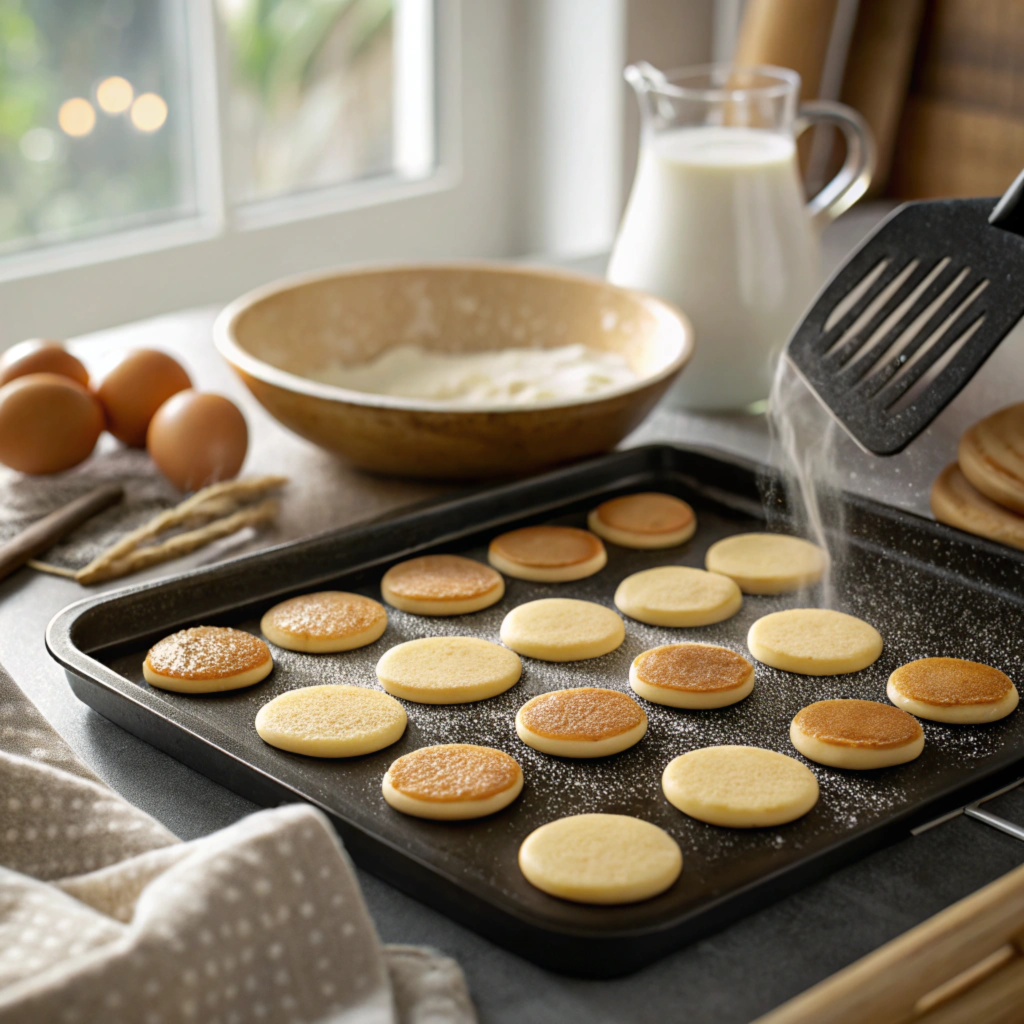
76	117
114	94
149	112
39	145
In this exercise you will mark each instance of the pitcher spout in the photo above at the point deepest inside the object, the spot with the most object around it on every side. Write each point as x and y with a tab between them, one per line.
649	84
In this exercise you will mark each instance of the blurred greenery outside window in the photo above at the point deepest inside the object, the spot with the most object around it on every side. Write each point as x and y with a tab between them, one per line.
96	129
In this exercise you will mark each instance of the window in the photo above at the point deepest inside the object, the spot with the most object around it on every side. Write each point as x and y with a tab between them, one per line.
103	105
215	145
314	96
92	138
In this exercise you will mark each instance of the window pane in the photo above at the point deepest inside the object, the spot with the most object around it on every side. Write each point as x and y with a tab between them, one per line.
315	92
93	119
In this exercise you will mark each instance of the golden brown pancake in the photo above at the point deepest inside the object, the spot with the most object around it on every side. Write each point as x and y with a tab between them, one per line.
647	520
857	734
331	620
950	681
441	585
952	690
692	675
441	578
858	723
587	721
207	659
549	554
454	771
703	668
956	502
452	781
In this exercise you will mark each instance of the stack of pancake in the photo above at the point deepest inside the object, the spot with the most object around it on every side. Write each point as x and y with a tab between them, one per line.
983	491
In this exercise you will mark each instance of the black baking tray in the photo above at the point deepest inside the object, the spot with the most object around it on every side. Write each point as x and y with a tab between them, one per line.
929	589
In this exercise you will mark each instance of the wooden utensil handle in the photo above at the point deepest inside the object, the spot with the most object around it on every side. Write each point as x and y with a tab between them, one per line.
48	530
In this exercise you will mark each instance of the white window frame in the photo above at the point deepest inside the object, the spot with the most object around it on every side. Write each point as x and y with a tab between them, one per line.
225	250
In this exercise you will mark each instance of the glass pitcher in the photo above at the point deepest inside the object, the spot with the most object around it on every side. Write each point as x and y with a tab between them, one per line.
717	222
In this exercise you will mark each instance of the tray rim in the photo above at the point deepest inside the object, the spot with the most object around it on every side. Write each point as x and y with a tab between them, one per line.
87	673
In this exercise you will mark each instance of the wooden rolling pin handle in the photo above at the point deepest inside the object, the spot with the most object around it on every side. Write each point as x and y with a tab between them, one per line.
51	528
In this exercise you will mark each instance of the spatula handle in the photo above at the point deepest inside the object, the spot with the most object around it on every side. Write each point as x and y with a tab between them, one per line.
1008	213
48	530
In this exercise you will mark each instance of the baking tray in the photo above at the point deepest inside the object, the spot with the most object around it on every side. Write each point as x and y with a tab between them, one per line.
929	589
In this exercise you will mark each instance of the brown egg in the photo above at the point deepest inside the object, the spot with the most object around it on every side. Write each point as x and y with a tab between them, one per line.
41	356
197	439
134	389
47	423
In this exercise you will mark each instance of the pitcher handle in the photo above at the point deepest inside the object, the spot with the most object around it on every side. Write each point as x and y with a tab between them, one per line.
855	175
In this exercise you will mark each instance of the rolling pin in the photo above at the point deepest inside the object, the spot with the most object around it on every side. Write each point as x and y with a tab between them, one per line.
51	528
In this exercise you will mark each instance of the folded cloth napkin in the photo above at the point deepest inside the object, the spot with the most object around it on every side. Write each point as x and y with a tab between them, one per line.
106	916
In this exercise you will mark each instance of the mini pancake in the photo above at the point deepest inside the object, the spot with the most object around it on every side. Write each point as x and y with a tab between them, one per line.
441	585
547	554
331	721
448	670
207	659
952	690
956	502
859	734
325	622
600	858
691	676
676	595
648	520
767	563
562	629
991	456
587	721
814	642
452	782
740	787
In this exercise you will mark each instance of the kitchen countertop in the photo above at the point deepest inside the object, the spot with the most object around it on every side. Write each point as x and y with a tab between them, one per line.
733	976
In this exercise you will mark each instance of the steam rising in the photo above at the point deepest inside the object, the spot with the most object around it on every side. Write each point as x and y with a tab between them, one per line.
804	448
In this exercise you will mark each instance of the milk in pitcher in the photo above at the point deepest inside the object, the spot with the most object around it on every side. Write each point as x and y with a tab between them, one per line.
717	224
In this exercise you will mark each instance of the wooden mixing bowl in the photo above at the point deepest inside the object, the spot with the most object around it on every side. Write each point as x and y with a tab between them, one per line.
276	336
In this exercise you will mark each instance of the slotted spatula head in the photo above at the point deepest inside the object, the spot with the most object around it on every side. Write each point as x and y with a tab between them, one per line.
913	314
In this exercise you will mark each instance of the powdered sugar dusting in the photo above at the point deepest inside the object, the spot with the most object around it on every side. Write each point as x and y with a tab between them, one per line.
918	610
207	652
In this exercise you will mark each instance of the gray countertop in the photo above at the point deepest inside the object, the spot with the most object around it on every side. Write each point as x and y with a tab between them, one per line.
731	977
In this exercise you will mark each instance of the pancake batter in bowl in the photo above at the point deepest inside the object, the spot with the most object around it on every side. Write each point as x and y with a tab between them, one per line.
510	376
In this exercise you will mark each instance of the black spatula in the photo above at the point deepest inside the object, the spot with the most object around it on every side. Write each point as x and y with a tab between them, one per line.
913	314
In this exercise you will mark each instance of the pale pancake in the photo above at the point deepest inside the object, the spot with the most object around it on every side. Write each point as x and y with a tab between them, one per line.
547	554
952	690
859	734
675	595
767	563
740	787
648	520
322	623
331	721
600	858
562	629
691	675
991	455
586	721
452	782
441	585
448	670
956	502
207	659
814	642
